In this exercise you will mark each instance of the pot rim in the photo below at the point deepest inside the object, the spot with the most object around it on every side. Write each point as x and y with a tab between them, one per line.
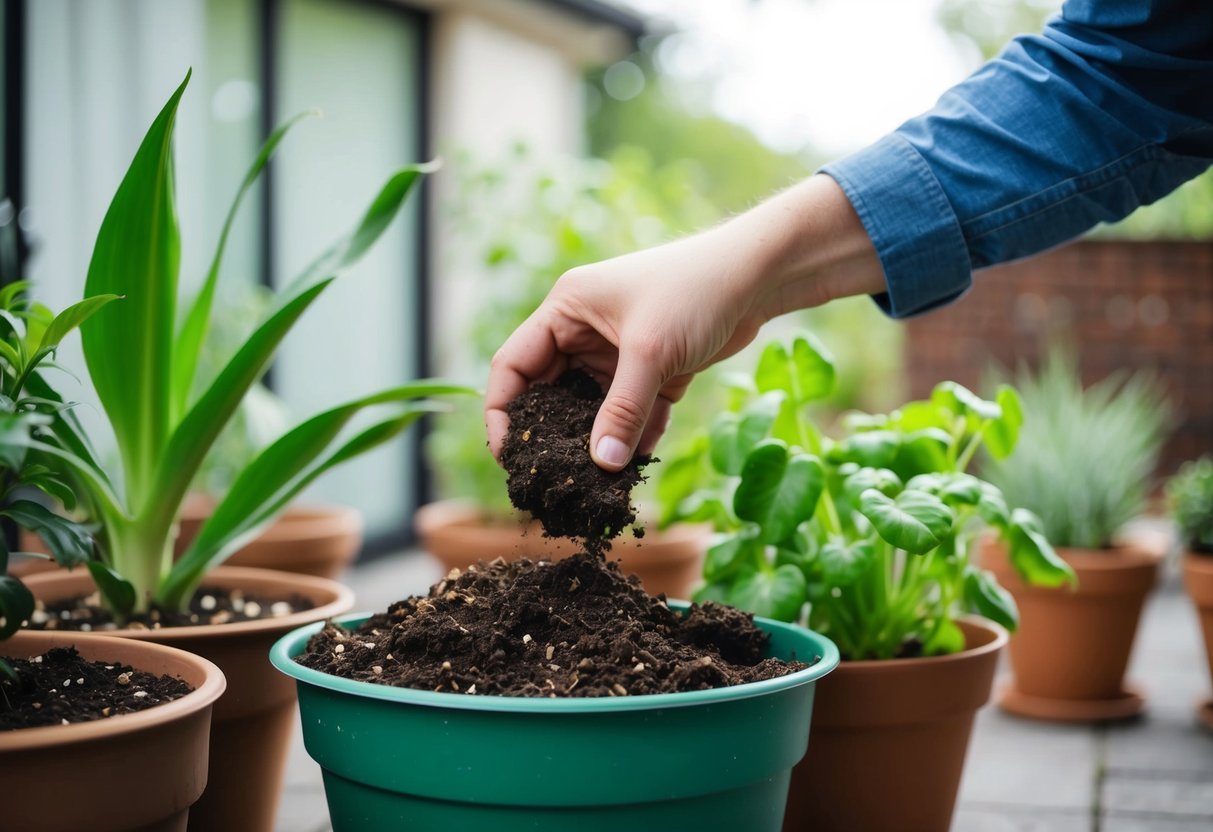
292	644
999	641
213	685
342	598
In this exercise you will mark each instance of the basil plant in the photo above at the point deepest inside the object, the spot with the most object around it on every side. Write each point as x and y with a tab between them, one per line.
29	335
872	530
142	353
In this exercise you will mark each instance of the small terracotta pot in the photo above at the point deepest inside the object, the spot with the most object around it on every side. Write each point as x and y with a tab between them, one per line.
251	731
457	534
1069	656
889	738
1198	579
318	540
138	771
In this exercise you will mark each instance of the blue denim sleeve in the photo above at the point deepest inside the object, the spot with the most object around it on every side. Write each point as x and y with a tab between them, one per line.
1111	107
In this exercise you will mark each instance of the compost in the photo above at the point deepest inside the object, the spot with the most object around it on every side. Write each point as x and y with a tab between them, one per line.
209	605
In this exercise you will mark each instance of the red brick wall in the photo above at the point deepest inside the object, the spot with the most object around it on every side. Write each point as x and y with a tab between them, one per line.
1123	304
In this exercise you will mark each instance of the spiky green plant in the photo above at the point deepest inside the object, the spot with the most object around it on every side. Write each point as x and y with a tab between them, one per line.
1086	457
1190	499
142	355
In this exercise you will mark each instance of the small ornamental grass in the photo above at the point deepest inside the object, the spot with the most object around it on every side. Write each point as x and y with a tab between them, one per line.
871	531
1085	461
1190	500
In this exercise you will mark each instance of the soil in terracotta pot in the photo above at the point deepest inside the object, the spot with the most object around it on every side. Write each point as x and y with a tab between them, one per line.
575	627
60	687
551	473
210	605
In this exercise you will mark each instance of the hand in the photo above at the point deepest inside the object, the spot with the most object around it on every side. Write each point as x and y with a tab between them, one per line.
645	323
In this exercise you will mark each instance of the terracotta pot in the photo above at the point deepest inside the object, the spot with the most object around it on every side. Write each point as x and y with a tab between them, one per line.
138	771
889	738
251	730
458	534
318	540
1198	579
1069	656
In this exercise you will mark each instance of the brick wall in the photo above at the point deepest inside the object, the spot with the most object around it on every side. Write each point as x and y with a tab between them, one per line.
1124	304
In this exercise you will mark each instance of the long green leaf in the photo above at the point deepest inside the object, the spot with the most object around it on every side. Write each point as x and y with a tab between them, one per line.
16	605
70	318
914	521
69	542
257	492
128	346
197	321
778	490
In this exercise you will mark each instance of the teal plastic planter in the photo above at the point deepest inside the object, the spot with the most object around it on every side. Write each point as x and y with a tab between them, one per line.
400	759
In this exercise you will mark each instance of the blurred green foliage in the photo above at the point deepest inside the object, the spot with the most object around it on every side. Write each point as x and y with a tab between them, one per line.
983	27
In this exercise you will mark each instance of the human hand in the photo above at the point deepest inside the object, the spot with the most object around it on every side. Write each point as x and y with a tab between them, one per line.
645	323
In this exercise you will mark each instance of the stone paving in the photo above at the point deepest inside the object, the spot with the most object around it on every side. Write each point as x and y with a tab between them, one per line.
1151	775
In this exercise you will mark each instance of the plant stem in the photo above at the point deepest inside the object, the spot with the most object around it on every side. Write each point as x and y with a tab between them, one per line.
967	455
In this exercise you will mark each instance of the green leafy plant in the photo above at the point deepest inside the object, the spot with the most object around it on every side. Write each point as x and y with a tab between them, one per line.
31	333
142	355
872	530
1190	497
1086	462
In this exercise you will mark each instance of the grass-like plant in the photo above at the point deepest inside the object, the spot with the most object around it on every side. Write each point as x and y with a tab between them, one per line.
1085	463
873	529
1190	499
29	335
142	354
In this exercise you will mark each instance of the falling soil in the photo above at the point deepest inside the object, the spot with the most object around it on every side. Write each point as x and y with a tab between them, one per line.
209	605
60	687
551	472
575	628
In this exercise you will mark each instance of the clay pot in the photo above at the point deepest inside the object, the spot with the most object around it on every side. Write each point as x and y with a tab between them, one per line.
318	540
889	739
251	730
458	534
138	771
1069	656
1198	579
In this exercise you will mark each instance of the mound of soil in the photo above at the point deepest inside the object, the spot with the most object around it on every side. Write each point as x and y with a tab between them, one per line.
551	473
575	628
61	687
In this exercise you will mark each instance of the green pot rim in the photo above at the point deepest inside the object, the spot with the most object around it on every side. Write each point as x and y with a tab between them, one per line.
293	643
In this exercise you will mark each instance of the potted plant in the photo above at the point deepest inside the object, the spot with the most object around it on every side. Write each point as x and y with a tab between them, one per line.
1084	465
142	365
1190	496
872	531
161	735
525	228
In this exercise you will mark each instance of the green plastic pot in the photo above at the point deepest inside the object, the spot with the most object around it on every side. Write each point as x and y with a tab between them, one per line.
395	758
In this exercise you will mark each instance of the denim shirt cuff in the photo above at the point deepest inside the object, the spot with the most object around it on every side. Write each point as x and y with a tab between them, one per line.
910	222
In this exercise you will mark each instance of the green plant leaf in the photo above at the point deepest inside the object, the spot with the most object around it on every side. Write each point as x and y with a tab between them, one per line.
69	542
735	434
778	490
705	506
1002	433
777	594
987	598
947	638
882	479
67	320
189	341
729	553
806	374
681	476
992	507
915	521
872	449
844	562
717	592
128	346
962	401
16	605
1032	555
281	470
119	593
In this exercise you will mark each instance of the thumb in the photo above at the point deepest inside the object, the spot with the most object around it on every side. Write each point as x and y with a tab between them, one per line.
625	411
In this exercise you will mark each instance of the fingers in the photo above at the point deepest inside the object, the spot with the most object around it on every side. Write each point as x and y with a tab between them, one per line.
625	414
529	355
